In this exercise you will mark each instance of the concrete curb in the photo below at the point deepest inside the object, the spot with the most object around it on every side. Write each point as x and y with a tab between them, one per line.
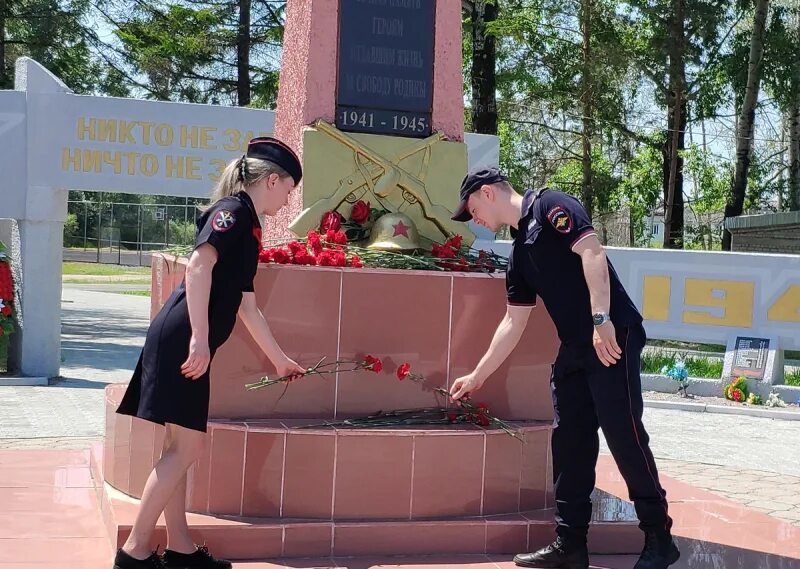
771	413
22	381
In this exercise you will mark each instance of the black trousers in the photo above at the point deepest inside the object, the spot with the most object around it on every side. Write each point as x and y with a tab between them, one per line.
586	396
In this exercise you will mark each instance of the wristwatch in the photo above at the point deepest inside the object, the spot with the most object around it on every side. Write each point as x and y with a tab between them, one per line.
600	318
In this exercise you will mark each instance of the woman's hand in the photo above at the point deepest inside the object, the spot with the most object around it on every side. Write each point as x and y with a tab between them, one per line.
199	358
287	367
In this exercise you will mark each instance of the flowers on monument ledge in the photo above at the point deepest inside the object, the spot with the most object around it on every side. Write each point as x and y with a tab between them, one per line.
331	221
361	212
680	374
333	248
315	250
465	411
736	390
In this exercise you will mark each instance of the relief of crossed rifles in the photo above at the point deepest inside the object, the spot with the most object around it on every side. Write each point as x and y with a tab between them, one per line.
382	176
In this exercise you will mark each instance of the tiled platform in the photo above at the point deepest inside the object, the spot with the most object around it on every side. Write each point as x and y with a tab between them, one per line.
51	518
239	537
262	469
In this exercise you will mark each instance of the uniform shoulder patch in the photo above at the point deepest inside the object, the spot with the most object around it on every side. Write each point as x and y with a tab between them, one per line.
560	219
223	220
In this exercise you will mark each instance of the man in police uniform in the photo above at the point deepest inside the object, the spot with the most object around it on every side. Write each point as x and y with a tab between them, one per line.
595	382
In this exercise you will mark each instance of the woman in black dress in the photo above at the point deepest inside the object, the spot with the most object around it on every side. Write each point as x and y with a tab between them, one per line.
170	387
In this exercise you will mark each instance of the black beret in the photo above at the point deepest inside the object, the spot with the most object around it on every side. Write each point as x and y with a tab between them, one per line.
277	152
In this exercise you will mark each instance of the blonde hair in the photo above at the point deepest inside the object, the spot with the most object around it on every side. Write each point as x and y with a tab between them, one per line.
242	173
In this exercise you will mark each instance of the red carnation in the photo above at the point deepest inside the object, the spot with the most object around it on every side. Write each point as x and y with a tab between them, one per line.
332	220
314	242
6	310
360	212
403	370
296	247
446	253
280	256
356	262
483	420
373	364
737	395
454	242
452	417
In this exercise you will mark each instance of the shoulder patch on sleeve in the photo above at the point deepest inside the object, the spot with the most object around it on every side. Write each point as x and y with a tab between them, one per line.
223	220
560	219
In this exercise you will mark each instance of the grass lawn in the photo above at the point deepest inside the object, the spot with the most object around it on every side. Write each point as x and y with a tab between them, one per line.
100	269
135	292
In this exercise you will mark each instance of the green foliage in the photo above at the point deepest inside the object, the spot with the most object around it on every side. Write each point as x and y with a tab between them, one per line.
53	33
655	361
181	232
641	187
71	237
187	51
606	184
792	377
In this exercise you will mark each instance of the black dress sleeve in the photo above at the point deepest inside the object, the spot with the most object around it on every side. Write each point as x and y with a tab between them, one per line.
224	225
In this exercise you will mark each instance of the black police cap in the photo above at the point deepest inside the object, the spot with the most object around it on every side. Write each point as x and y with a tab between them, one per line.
471	183
277	152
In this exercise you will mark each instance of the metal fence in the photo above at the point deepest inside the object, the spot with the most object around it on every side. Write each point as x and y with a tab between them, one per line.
126	233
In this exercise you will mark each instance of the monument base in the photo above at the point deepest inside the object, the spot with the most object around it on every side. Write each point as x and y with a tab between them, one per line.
252	538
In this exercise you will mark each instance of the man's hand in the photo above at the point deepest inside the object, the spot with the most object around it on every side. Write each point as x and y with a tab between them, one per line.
464	386
605	344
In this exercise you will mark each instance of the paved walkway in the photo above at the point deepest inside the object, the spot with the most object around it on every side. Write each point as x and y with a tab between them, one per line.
750	460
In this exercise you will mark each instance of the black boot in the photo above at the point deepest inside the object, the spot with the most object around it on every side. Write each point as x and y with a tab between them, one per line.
125	561
200	559
561	554
659	551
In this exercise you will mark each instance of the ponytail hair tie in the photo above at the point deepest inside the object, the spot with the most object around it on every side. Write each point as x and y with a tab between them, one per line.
243	168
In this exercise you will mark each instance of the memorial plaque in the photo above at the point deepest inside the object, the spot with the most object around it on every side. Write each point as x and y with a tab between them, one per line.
385	76
750	357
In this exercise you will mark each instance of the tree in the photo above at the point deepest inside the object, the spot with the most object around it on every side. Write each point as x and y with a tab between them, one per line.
483	14
560	75
782	80
676	45
744	133
204	51
52	33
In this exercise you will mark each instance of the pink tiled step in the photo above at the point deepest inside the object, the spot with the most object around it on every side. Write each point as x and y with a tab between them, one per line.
256	539
249	538
274	469
424	562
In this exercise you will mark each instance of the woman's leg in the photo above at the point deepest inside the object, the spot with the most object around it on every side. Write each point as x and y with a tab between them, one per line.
178	537
167	478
